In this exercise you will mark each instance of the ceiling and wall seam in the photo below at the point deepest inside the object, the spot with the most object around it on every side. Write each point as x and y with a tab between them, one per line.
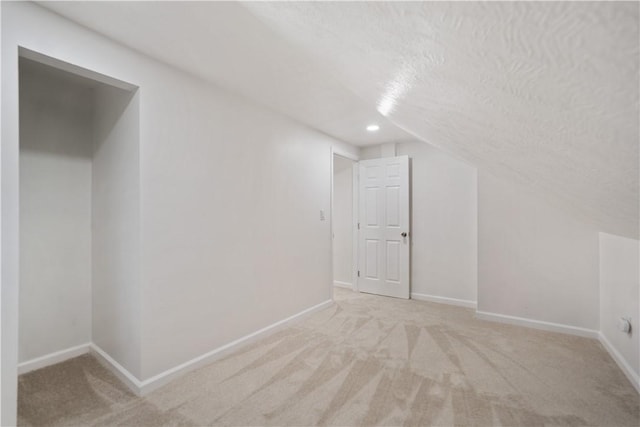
195	76
541	94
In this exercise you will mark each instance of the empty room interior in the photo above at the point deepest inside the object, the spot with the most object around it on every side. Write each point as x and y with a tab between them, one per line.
320	213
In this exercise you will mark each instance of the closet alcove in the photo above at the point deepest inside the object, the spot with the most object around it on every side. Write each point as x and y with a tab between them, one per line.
79	213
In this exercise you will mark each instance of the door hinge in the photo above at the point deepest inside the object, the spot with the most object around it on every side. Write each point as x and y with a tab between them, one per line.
358	273
358	226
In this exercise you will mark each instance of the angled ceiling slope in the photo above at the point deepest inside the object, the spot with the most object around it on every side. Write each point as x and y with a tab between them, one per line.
544	94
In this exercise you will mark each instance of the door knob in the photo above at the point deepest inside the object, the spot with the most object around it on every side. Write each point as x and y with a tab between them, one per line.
404	234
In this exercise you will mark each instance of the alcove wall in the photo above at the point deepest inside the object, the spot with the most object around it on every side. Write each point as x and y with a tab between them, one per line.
79	216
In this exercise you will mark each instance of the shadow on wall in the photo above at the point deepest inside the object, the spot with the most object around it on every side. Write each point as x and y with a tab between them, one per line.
79	214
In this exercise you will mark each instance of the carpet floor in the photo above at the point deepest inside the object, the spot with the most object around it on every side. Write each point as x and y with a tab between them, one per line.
366	360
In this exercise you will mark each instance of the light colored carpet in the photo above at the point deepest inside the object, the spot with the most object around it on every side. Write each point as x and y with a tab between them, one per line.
365	361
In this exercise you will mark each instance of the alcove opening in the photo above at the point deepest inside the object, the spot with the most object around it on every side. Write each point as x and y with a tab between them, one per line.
79	213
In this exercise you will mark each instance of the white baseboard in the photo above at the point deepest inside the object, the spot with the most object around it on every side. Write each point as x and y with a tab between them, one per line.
52	358
342	284
165	377
141	388
537	324
144	387
633	376
444	300
117	369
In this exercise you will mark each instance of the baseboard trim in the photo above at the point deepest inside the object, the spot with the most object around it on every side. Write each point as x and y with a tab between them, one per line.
165	377
53	358
117	369
143	387
538	324
340	284
444	300
632	376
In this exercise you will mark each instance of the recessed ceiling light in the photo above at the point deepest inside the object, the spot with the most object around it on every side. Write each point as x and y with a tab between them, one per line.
373	128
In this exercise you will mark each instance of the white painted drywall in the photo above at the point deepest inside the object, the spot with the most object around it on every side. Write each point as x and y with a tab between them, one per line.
371	152
116	296
342	220
9	179
55	213
620	295
534	260
230	235
443	222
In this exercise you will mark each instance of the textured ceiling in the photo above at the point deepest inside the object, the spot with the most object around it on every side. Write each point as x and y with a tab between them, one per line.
544	94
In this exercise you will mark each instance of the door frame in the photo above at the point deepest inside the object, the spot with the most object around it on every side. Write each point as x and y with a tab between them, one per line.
336	151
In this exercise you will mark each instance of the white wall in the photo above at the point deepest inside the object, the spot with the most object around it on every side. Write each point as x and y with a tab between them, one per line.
443	223
342	220
116	296
55	213
9	179
230	194
620	297
79	252
232	237
535	261
370	152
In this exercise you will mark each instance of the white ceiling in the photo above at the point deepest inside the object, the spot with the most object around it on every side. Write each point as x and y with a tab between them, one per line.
38	70
224	43
545	94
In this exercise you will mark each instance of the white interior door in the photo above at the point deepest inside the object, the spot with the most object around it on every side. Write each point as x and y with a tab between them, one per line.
383	239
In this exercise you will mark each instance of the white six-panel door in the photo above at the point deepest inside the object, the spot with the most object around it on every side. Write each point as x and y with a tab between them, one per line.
383	235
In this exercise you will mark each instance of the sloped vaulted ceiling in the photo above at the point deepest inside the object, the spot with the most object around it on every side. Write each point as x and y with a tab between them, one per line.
540	93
